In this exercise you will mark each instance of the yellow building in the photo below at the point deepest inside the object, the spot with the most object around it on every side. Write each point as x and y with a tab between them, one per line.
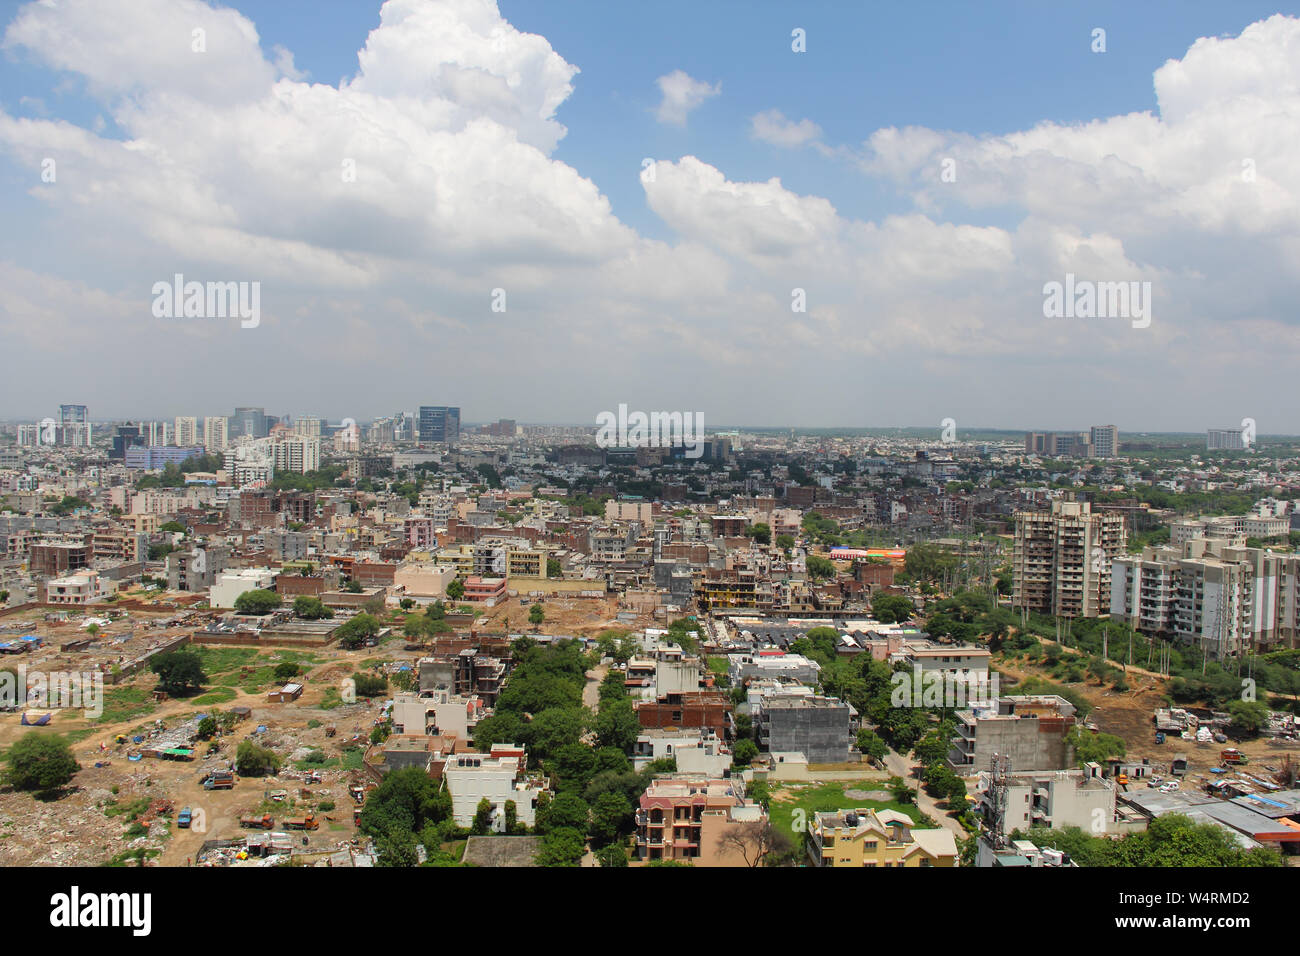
870	838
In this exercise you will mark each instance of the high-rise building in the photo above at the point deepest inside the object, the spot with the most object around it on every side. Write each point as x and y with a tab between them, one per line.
307	426
1063	558
249	423
1212	593
439	423
156	433
185	433
74	426
1105	441
1224	439
297	454
216	433
128	436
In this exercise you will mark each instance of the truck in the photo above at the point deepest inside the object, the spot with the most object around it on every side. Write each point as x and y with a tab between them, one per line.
358	793
264	822
1231	755
219	780
183	818
308	822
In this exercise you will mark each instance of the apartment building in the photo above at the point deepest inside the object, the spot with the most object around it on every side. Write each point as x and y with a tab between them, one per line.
297	454
1229	526
687	817
867	838
1224	439
185	431
1062	562
216	434
1212	593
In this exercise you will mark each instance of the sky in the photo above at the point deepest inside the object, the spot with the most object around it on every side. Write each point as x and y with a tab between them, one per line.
771	214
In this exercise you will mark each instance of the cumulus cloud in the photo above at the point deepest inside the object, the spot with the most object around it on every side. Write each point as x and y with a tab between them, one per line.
381	213
681	95
771	126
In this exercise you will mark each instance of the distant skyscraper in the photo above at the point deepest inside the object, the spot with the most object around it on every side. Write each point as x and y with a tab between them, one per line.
249	423
1105	441
185	432
216	434
1224	439
439	423
74	425
128	436
307	426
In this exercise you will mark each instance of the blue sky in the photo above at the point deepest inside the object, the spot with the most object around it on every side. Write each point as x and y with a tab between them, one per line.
1057	177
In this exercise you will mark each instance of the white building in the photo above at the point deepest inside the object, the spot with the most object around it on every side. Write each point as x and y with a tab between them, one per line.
230	584
498	777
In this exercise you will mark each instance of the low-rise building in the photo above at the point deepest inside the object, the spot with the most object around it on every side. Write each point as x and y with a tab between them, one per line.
866	838
499	776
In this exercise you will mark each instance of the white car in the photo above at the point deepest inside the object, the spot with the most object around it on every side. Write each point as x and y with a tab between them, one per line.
1169	786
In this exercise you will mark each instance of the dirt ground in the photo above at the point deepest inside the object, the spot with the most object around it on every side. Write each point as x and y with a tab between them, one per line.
1130	716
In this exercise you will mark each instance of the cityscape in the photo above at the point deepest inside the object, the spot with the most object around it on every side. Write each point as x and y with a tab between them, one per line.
955	525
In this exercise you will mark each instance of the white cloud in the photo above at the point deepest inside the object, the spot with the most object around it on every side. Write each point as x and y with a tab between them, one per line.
450	125
682	95
771	126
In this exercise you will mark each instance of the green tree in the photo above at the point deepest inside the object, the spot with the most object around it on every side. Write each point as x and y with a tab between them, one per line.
760	532
253	760
554	568
482	817
612	855
743	753
258	601
566	811
358	630
871	745
561	847
1248	716
536	614
609	814
407	801
39	762
891	608
456	589
310	608
820	567
370	685
179	672
617	725
286	671
785	542
1090	747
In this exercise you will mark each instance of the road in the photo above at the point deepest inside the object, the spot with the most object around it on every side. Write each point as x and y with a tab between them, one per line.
902	766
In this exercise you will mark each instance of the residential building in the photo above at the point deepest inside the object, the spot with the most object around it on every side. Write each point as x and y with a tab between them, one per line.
216	434
866	838
688	817
1224	439
1029	730
1062	562
185	431
498	776
820	728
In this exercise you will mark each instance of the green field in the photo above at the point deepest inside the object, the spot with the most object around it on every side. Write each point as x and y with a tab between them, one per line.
820	797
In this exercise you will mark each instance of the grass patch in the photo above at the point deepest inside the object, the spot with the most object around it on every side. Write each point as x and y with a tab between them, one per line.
126	703
352	759
718	665
133	857
217	695
76	736
331	699
817	798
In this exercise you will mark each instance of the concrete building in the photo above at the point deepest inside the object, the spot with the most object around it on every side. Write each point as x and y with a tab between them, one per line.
687	817
696	751
1051	799
1105	441
1029	731
438	423
230	584
1224	439
1062	562
820	728
868	838
498	776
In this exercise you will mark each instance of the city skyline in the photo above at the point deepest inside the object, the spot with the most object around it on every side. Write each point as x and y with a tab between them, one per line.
750	220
